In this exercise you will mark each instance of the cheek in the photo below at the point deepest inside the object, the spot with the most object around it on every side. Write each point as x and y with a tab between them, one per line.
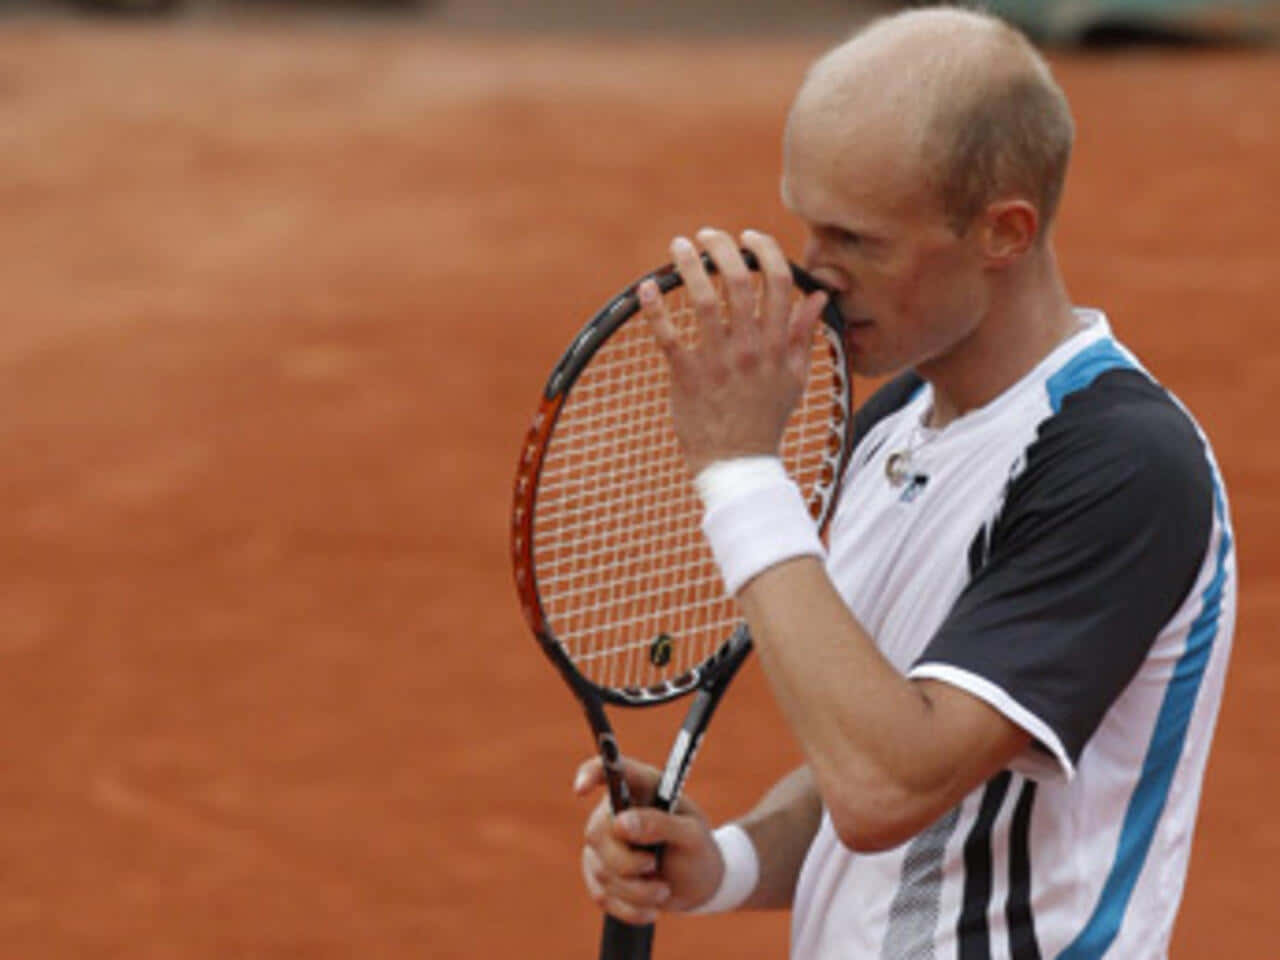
943	287
913	294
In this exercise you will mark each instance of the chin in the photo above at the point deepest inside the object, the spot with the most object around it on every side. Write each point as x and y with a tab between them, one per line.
870	365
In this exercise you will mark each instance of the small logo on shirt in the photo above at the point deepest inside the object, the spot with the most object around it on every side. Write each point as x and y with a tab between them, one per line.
914	487
898	471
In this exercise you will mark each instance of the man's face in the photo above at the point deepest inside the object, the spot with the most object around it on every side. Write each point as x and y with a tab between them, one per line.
910	289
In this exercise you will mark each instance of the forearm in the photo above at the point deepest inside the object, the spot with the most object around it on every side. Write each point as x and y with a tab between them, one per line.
885	751
781	827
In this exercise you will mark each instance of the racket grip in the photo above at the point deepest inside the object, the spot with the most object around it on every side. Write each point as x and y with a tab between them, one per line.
625	941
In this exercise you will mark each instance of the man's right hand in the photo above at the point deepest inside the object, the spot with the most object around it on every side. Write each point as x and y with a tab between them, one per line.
629	882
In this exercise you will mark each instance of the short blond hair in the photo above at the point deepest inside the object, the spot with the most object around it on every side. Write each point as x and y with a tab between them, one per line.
979	103
1013	136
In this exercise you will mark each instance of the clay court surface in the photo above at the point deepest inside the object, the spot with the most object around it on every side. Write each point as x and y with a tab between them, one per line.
277	303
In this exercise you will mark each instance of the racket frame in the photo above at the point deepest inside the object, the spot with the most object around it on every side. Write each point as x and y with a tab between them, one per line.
590	339
709	679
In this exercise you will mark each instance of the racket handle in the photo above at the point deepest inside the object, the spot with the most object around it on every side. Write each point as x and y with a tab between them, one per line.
624	941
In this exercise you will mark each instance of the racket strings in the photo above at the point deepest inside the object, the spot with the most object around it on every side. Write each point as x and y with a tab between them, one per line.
627	582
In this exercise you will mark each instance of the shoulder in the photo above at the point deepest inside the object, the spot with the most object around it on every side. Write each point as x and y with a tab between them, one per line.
1119	471
1101	401
1122	431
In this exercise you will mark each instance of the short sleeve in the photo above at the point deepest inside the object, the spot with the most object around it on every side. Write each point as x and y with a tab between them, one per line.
1099	540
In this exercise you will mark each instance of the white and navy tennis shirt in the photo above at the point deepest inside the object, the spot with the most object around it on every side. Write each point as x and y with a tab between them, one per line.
1065	554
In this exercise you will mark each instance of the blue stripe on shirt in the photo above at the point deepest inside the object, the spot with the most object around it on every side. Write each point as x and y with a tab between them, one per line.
1149	798
1085	367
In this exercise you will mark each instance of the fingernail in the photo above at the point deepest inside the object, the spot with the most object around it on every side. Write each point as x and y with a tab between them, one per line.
579	780
749	235
664	894
682	245
648	291
629	821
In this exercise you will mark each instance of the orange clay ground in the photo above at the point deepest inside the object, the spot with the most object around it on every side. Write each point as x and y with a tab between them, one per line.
276	305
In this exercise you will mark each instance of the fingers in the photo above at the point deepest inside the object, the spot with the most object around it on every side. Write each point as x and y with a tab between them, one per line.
749	312
644	859
660	325
612	848
739	292
623	877
648	827
805	316
633	900
700	290
589	775
735	375
775	272
619	877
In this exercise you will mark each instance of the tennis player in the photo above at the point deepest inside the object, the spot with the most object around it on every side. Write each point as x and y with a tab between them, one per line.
1005	669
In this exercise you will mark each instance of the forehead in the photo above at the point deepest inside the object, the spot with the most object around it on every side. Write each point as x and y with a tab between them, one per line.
840	160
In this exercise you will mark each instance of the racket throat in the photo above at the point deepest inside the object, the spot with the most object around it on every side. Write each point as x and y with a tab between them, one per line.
610	757
684	749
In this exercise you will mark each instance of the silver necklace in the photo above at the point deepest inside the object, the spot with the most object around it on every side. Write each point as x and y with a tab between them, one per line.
900	465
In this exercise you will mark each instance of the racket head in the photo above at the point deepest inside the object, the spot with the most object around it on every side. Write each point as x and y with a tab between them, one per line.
614	575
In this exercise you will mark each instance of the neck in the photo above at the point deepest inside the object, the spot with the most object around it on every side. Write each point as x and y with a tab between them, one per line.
1029	314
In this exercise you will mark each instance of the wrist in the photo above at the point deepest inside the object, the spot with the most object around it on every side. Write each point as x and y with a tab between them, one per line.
754	517
741	871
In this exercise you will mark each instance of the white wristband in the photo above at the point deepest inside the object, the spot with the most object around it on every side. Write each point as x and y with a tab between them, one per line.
725	480
741	870
755	518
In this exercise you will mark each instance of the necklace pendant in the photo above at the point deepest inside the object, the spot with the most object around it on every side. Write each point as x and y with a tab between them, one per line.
897	468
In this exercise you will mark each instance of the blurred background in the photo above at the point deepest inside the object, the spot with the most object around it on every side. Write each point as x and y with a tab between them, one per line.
1065	22
281	282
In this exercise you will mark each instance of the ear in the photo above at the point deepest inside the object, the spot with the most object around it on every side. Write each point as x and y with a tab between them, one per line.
1010	228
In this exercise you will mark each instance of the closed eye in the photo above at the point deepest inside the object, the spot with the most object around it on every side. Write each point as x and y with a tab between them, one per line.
843	237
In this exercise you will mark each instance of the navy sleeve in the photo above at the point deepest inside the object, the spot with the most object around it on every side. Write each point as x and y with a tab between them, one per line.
1100	538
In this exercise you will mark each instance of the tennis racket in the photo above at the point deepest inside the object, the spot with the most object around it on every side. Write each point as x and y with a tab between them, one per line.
614	576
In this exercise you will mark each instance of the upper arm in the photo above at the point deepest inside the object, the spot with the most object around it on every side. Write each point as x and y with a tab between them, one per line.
977	741
981	738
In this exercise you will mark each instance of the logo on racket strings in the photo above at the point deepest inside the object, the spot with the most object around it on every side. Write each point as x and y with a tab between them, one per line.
660	650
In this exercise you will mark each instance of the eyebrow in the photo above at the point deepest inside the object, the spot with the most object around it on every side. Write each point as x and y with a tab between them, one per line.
862	231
